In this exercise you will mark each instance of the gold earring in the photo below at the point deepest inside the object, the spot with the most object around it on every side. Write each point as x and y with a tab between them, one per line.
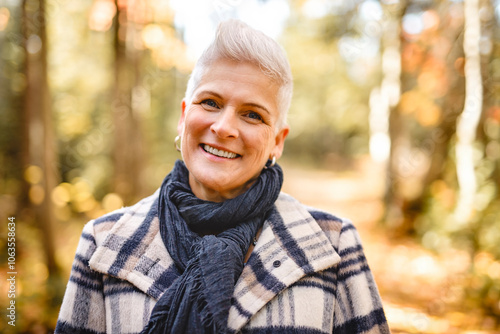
176	143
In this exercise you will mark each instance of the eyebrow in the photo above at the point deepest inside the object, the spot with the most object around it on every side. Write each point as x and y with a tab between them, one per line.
251	104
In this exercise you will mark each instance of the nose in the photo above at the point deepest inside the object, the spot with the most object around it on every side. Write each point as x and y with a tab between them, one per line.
225	124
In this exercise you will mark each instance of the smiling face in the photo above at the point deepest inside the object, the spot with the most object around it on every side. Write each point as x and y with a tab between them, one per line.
229	129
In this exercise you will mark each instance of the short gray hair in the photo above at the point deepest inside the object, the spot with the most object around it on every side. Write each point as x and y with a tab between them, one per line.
235	40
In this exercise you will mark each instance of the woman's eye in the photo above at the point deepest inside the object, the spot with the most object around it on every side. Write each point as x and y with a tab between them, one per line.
210	103
254	115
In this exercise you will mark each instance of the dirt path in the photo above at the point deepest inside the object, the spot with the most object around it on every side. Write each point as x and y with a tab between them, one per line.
420	289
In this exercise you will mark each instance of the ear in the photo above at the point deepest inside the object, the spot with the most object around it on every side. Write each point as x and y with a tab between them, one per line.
280	142
180	125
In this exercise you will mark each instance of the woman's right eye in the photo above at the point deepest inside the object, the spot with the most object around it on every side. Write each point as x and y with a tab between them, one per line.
210	103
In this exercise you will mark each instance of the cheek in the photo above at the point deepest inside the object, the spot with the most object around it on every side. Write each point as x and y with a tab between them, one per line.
269	138
262	142
194	123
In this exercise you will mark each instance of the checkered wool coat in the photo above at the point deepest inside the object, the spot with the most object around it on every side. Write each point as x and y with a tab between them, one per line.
307	274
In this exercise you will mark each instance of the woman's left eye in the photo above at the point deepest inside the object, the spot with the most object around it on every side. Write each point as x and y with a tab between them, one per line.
254	115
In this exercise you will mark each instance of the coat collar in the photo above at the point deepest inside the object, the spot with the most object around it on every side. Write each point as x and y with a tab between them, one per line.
291	246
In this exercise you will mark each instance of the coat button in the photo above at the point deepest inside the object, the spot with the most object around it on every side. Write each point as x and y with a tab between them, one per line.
276	264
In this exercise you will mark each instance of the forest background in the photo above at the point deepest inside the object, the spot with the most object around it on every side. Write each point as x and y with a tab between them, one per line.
395	122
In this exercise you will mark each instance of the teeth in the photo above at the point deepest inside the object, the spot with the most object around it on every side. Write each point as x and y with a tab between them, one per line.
219	153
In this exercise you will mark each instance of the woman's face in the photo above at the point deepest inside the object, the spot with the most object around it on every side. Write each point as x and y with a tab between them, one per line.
229	129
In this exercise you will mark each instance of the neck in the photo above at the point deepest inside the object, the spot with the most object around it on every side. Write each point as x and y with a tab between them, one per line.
213	195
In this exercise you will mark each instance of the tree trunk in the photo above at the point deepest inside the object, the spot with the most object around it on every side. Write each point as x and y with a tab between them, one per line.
391	58
469	119
404	209
39	133
128	148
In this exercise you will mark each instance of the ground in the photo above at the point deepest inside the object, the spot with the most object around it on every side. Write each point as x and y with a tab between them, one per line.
420	289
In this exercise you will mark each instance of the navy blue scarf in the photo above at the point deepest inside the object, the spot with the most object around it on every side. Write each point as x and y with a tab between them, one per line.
199	299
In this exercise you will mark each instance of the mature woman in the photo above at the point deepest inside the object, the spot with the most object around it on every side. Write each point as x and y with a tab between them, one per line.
218	248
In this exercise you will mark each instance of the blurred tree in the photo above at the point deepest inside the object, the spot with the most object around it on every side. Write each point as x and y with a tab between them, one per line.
332	59
423	123
39	148
478	151
384	97
469	119
128	151
12	84
386	124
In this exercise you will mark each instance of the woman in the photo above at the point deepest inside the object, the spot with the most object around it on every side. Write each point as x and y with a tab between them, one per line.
218	248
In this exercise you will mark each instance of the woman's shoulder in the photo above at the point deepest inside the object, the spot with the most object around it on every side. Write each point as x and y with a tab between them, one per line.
331	224
317	214
134	214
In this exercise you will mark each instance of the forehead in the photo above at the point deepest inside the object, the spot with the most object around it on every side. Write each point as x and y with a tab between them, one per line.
239	81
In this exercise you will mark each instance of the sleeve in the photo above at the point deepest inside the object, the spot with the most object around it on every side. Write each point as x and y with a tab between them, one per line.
358	307
82	309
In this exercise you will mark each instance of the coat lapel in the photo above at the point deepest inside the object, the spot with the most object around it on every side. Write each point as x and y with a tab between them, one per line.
131	248
291	246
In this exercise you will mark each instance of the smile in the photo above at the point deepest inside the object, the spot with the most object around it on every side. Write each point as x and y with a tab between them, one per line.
219	153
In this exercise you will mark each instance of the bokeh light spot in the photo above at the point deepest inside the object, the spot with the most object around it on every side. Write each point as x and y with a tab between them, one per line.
153	36
33	44
112	202
61	194
101	16
413	23
4	18
41	271
33	174
36	194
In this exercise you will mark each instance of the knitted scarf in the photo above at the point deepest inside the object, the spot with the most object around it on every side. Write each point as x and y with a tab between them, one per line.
199	299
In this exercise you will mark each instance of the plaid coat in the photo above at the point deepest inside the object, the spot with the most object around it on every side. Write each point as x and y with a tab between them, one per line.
307	274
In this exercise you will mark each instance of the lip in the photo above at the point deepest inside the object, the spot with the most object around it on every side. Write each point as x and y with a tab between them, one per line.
218	147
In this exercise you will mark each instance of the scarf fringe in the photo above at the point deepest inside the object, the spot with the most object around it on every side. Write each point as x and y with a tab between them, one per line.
206	316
